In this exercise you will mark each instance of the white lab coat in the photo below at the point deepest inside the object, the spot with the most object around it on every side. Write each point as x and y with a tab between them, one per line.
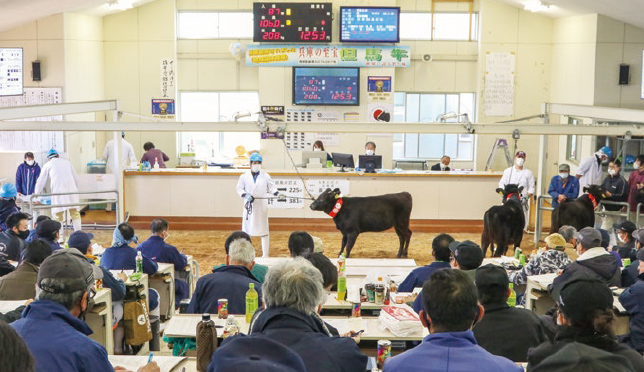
63	178
256	224
127	153
590	172
523	177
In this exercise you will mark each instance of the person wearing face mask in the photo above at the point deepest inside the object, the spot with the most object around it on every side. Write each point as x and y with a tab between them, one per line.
12	240
370	148
563	187
8	194
158	250
27	175
319	146
636	186
616	190
520	176
443	165
589	171
255	187
636	241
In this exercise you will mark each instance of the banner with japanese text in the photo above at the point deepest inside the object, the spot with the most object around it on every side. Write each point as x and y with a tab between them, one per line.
328	55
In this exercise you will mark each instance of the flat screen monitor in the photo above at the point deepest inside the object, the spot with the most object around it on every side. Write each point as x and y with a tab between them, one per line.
11	72
369	24
278	22
308	155
342	161
370	163
324	86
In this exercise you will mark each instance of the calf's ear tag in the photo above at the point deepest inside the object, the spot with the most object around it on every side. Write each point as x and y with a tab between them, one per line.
337	196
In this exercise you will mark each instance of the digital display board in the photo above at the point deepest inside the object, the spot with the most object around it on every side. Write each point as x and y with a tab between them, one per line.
292	22
11	72
369	24
324	86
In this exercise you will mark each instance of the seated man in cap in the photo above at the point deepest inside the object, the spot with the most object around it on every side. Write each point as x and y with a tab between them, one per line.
563	187
631	272
585	315
633	301
505	331
157	249
293	295
300	243
8	205
593	260
441	255
230	282
467	258
21	284
626	248
258	271
550	261
32	232
450	310
49	230
12	240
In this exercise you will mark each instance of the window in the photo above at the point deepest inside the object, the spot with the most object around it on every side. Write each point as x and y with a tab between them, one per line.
217	106
447	26
573	143
426	107
215	25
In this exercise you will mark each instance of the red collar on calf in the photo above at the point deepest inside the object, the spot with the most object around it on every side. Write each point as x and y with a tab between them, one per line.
336	208
592	199
514	193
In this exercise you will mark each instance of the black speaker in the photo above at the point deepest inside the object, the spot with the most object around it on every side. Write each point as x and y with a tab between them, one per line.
35	71
624	74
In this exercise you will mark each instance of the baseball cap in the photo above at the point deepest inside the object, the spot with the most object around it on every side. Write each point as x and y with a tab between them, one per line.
589	237
80	239
627	226
255	354
491	275
638	235
580	297
576	356
520	154
467	253
564	168
556	241
70	268
47	228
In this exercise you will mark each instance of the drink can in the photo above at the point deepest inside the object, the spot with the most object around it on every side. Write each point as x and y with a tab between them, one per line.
329	164
384	352
355	310
99	284
522	259
517	252
222	308
626	262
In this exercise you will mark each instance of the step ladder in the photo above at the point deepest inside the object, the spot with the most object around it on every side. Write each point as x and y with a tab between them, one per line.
499	143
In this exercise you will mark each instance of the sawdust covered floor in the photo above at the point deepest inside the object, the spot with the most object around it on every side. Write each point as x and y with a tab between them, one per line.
207	247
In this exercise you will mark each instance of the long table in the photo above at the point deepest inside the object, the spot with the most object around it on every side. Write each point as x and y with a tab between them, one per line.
163	282
99	319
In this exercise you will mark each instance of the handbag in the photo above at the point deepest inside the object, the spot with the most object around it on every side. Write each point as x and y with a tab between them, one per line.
136	320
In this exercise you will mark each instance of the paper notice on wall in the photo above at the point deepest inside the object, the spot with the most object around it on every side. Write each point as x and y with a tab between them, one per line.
379	89
499	84
294	191
316	186
328	139
168	77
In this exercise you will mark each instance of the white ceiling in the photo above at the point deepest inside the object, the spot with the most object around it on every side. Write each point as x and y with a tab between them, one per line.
628	11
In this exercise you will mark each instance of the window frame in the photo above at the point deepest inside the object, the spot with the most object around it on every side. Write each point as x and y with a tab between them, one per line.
576	138
218	13
428	37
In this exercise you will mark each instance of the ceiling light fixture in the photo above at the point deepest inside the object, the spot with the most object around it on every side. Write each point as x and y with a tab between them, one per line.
120	5
536	6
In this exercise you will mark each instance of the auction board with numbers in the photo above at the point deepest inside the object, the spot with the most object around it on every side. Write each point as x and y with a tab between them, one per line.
293	188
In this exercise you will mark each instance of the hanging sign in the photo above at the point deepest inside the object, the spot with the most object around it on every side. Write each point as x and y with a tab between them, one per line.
328	55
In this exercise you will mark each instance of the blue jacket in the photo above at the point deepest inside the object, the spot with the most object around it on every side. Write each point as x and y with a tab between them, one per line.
7	208
419	275
26	177
306	336
124	258
571	191
58	341
158	250
32	236
449	351
633	301
230	282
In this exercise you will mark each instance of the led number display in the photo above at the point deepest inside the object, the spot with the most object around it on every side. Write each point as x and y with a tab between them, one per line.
326	86
292	22
369	24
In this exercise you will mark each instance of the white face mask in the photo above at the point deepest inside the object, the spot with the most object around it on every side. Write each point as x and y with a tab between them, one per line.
443	166
519	162
619	236
636	165
612	172
30	162
369	152
255	168
317	149
563	175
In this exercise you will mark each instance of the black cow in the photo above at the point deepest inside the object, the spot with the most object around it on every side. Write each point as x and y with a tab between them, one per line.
580	212
372	213
503	224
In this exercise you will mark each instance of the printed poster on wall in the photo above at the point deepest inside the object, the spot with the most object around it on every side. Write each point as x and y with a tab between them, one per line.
294	191
380	112
168	77
499	84
379	89
163	108
317	186
328	55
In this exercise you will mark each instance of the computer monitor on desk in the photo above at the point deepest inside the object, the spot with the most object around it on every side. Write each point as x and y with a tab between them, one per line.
308	155
343	161
370	163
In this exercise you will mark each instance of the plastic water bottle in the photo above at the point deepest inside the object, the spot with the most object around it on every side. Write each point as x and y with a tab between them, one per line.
342	263
252	302
206	342
156	164
517	252
231	328
139	262
512	299
342	286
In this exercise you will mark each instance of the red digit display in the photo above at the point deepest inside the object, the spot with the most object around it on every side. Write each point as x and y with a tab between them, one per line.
292	22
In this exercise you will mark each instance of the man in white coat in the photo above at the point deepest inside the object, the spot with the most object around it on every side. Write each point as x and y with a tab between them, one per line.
520	176
590	169
63	179
127	153
255	187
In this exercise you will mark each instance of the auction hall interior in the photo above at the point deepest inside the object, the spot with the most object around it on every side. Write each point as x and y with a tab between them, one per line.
189	148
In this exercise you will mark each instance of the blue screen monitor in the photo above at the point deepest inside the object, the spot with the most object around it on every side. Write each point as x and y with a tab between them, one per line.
369	24
324	86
